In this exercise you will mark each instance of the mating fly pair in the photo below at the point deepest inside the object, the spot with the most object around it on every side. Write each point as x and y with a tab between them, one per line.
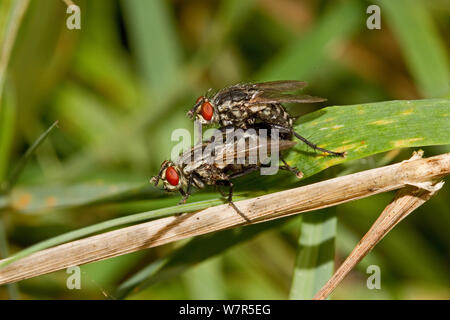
246	107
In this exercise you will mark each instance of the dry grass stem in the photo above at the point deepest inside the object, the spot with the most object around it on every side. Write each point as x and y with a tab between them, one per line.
405	201
280	204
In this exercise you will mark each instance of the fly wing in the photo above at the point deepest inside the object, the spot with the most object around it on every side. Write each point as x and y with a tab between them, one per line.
280	86
193	155
247	148
265	92
275	97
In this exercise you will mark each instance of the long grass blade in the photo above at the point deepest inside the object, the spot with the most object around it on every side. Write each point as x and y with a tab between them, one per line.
102	226
315	256
15	19
422	46
15	173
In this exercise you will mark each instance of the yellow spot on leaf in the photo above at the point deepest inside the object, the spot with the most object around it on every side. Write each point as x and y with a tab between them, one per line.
345	147
331	162
50	201
329	119
407	112
290	163
338	126
381	122
360	148
22	201
405	143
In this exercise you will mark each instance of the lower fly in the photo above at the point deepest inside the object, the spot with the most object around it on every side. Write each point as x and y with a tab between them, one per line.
225	157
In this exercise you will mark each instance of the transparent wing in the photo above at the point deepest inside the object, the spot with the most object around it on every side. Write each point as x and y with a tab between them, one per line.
248	147
275	97
195	154
280	86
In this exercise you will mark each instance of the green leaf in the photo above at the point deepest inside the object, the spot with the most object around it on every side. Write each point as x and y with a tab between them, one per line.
423	49
36	199
315	256
367	129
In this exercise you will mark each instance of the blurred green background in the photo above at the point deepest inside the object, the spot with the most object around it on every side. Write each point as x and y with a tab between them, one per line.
122	83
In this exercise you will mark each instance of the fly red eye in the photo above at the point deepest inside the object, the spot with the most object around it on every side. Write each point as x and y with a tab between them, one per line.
172	176
207	111
199	99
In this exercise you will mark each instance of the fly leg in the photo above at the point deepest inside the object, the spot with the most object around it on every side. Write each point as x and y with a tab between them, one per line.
307	142
230	197
188	190
294	170
315	147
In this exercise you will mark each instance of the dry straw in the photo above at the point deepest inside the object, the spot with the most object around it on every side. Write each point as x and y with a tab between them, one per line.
272	206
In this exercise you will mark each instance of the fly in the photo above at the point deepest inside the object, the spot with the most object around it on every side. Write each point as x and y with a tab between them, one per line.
243	105
210	163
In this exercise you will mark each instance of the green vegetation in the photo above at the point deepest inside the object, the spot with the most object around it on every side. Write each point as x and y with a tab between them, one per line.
120	85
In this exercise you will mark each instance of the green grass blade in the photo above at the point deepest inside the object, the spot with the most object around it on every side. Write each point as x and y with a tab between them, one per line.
13	290
153	37
15	173
8	38
424	51
315	256
367	129
7	125
102	226
38	199
302	58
